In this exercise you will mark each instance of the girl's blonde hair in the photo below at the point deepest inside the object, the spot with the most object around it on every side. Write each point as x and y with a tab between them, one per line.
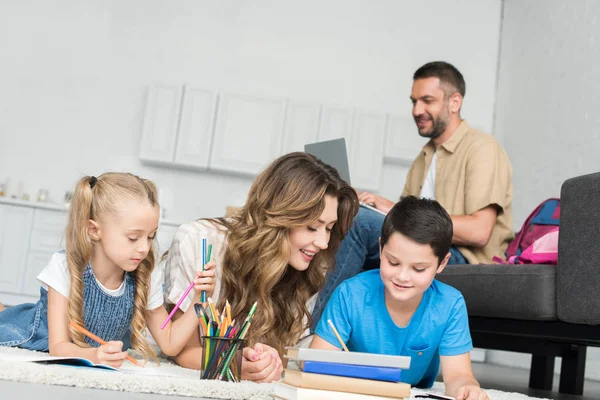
289	193
91	198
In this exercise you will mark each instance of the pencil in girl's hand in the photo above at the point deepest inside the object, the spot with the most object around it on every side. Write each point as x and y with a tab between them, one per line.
99	340
189	288
174	310
337	335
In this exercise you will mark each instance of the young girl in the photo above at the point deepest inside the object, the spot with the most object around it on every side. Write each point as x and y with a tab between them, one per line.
104	281
275	250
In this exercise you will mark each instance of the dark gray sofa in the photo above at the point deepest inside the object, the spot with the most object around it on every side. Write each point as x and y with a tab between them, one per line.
545	310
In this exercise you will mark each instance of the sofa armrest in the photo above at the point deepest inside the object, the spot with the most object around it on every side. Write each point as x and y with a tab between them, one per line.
578	270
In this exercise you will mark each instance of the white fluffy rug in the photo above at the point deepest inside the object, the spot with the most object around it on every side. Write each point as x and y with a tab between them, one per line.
174	380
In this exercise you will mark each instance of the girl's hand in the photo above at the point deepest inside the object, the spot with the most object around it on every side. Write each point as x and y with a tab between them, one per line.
111	354
205	280
261	364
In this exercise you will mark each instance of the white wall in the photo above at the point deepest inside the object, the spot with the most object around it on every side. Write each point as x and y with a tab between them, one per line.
73	75
547	106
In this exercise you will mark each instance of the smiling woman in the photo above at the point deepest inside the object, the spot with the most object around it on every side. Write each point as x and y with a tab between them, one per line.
274	251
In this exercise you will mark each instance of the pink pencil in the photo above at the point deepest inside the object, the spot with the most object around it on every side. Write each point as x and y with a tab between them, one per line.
187	291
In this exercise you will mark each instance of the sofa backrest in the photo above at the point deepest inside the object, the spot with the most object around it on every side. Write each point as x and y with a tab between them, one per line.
578	274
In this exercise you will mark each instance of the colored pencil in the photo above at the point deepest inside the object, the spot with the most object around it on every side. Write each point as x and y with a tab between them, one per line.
203	294
229	357
189	288
99	340
222	341
337	335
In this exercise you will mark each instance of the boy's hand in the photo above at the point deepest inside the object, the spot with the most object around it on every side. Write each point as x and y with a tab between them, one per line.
471	392
205	280
111	354
261	364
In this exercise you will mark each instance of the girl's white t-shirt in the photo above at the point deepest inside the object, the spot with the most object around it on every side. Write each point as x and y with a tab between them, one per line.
57	276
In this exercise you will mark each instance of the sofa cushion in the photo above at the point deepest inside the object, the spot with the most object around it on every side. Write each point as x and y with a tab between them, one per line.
578	278
505	291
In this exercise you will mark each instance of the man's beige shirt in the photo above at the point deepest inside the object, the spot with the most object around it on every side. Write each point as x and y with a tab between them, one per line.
472	172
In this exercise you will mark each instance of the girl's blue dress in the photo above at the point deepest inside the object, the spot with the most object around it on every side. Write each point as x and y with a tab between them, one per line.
107	316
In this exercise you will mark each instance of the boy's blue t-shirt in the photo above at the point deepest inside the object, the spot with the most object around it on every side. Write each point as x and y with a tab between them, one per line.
439	326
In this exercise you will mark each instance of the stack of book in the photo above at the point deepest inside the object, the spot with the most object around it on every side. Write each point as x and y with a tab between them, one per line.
330	374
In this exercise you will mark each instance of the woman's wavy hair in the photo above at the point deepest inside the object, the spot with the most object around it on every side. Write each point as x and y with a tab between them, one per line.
289	193
93	197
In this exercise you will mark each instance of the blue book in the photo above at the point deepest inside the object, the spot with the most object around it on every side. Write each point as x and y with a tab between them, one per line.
353	371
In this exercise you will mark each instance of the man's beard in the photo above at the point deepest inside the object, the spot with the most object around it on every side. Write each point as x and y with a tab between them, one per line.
438	126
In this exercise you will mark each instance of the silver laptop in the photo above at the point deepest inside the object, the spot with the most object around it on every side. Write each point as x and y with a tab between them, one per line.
332	152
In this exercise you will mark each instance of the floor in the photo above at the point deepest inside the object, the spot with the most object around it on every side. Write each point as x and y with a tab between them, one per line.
510	379
490	376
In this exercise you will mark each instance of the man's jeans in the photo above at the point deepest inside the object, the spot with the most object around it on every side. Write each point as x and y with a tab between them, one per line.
360	251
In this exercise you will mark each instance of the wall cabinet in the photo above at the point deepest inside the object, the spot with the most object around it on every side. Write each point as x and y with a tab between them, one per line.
178	126
29	234
195	132
301	125
366	149
364	132
159	132
196	128
248	133
15	228
402	140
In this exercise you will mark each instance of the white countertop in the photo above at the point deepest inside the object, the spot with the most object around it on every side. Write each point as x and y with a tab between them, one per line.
33	204
61	207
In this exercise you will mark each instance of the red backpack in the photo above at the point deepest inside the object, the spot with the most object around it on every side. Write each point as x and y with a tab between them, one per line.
540	226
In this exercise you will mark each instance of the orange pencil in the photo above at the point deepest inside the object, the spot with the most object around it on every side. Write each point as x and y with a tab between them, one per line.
99	340
204	325
228	311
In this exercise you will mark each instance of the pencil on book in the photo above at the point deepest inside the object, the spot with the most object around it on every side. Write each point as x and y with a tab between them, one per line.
89	334
337	335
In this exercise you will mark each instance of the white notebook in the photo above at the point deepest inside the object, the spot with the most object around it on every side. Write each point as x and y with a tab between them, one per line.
80	362
289	392
348	357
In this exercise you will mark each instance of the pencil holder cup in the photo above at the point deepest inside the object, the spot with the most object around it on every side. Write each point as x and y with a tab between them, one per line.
221	358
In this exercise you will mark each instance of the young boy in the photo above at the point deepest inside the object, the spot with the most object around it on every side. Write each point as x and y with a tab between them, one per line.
401	309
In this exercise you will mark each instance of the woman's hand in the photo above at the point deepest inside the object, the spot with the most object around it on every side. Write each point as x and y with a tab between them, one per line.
205	280
111	354
261	364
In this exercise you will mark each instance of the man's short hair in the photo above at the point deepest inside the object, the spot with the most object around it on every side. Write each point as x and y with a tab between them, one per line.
421	220
450	78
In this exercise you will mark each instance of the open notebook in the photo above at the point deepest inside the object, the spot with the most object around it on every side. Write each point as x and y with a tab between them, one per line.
44	358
